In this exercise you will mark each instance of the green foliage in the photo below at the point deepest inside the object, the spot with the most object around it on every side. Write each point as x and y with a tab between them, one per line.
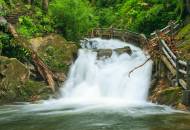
53	57
35	25
73	17
138	15
3	8
106	17
107	3
58	55
27	27
2	2
12	50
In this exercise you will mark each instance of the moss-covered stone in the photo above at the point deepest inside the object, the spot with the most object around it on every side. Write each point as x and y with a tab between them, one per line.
34	90
15	84
163	93
55	51
168	96
12	70
12	74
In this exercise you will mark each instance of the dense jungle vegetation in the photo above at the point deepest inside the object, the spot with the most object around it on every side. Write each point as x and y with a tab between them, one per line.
74	18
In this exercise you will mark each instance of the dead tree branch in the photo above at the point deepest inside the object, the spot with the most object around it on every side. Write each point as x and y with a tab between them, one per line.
138	67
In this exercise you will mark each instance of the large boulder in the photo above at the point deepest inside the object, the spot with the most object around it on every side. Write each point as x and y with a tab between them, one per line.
55	51
12	71
15	84
12	74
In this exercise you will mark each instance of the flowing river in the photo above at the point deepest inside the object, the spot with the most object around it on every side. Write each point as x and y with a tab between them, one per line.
101	93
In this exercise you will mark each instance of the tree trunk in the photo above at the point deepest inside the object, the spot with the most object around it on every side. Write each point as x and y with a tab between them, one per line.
45	4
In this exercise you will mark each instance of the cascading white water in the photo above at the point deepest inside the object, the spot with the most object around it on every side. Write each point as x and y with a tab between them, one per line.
100	79
104	84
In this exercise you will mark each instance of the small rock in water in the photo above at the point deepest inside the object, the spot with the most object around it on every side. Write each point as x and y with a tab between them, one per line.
108	52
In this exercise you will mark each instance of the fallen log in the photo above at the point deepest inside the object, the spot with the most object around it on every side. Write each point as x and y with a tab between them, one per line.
44	71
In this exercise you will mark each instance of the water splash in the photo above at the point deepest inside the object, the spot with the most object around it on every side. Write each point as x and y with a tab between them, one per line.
107	79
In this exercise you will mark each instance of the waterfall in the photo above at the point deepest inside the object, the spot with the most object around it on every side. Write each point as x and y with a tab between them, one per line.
99	94
102	79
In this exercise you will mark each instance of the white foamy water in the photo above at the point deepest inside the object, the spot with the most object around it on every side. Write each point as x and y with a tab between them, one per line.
108	79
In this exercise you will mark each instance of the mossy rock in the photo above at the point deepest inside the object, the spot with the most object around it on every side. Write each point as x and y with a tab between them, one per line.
12	75
29	91
55	51
34	90
15	85
12	70
169	96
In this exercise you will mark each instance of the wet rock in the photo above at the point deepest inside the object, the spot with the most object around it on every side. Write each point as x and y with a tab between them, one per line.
104	53
108	52
123	50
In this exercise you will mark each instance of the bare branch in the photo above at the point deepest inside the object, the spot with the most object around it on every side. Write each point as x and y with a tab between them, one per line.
138	67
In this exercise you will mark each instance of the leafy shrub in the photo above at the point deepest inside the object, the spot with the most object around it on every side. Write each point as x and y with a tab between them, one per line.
147	15
7	48
107	3
107	17
73	17
138	15
2	2
35	25
2	8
